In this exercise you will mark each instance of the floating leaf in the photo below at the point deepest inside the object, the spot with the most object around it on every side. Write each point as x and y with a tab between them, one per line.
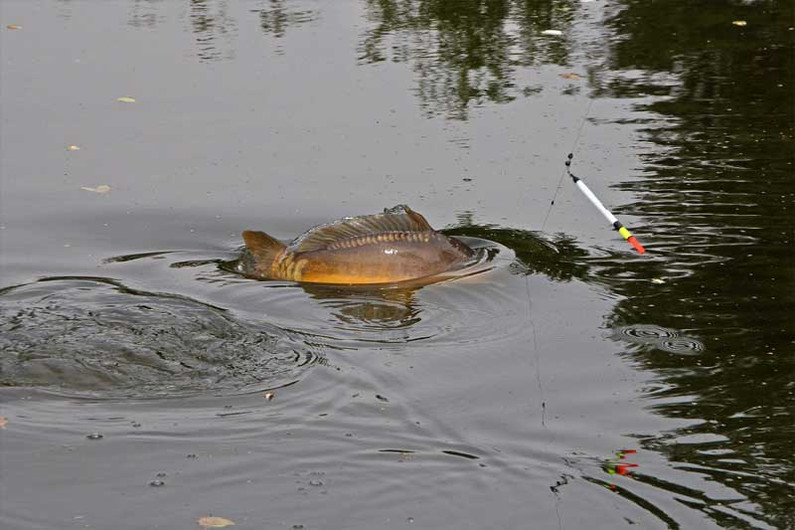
555	32
126	99
269	395
571	76
740	23
14	26
3	422
657	281
102	188
73	148
214	522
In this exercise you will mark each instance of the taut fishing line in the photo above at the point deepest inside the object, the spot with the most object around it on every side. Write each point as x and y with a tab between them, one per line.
539	384
563	173
615	223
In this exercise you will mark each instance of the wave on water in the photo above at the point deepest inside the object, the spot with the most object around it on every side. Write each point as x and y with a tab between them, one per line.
658	337
95	336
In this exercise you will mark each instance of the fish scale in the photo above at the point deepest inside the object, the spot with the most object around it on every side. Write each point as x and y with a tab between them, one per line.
395	246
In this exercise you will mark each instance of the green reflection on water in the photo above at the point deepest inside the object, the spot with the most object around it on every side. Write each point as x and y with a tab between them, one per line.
715	197
717	204
466	52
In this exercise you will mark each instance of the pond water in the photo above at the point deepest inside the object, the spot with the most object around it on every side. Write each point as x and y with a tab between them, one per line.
571	383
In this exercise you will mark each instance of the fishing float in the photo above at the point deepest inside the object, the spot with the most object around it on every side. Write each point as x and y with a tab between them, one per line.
614	222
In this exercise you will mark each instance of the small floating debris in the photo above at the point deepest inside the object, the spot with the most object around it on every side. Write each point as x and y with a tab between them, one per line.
381	398
555	32
73	148
571	76
102	188
269	396
95	436
125	99
214	522
657	281
157	483
13	26
3	422
740	23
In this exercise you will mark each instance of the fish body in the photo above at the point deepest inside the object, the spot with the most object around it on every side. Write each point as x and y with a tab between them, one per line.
395	246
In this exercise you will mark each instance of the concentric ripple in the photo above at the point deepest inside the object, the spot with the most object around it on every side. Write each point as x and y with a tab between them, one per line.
661	338
647	333
82	335
469	306
681	345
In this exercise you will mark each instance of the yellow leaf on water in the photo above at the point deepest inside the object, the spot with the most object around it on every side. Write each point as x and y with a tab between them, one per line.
73	148
102	188
740	23
3	422
214	522
14	26
126	99
571	76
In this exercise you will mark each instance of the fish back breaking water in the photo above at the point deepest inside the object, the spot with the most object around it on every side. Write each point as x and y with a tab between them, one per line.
397	245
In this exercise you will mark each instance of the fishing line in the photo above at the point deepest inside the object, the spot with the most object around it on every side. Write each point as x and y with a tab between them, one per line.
539	385
614	222
565	171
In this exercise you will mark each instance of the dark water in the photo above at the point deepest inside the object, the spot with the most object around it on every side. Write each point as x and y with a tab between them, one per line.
569	384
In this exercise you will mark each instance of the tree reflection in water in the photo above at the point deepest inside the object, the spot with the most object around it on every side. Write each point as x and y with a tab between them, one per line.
466	52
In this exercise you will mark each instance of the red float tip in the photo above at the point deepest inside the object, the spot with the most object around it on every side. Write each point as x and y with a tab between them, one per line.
634	242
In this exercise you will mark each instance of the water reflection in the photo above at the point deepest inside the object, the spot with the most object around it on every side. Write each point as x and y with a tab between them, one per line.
214	23
211	22
717	199
429	308
275	16
144	14
376	310
719	363
557	257
466	52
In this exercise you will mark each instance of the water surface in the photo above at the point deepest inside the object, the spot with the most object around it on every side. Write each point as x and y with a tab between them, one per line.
571	383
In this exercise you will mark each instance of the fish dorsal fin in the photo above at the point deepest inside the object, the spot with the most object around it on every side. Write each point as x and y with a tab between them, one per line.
398	219
262	246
